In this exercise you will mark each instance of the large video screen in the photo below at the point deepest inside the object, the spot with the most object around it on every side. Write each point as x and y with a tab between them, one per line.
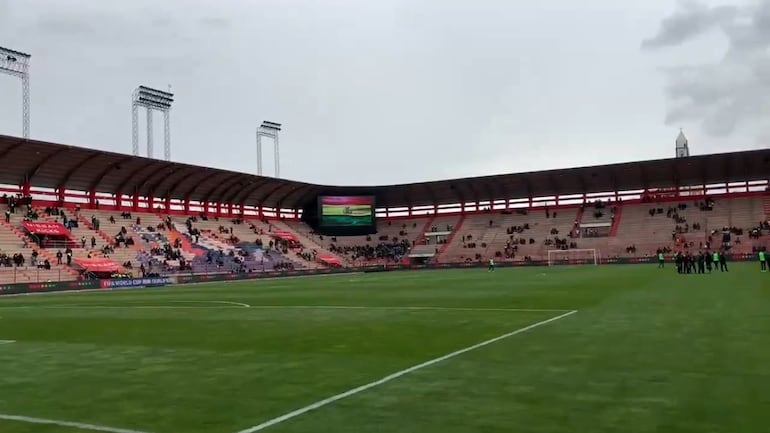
346	211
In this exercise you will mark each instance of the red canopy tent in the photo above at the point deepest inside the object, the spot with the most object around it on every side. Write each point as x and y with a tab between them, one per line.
330	260
50	234
283	235
99	265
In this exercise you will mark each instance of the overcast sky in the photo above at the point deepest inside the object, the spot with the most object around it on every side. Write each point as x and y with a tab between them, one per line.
393	91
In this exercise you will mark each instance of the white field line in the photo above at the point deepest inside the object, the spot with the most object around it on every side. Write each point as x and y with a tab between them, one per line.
78	425
238	304
386	379
228	304
7	341
412	308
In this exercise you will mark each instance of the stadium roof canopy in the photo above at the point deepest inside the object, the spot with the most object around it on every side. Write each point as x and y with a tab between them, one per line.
52	165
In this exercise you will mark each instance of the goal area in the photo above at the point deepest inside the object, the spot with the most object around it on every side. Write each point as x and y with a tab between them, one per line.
573	257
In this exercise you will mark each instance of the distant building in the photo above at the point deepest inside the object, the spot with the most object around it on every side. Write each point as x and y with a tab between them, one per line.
682	149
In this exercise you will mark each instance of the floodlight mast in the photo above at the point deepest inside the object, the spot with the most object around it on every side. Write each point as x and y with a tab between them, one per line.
16	64
151	100
268	130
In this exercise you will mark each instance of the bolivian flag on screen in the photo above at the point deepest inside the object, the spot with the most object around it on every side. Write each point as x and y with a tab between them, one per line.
346	211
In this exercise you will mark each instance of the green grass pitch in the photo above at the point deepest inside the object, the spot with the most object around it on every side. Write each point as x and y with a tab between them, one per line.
647	351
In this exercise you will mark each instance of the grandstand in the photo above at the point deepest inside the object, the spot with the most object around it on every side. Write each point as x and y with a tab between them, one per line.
175	218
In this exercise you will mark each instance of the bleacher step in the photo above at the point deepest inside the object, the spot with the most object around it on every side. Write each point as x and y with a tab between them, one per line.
456	229
616	221
425	229
105	237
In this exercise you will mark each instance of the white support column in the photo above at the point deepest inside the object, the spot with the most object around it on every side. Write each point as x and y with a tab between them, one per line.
135	129
149	134
167	135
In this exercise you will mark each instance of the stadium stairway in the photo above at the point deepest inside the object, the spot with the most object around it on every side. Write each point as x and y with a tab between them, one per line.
421	239
766	205
102	234
456	228
616	221
87	223
579	218
489	233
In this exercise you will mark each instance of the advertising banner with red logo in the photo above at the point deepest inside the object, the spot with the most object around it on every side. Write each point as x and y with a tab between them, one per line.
98	265
46	228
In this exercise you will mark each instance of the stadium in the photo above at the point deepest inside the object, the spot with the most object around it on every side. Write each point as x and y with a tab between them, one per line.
140	295
183	222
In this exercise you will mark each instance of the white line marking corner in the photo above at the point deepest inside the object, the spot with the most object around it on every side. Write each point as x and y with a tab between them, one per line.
78	425
396	375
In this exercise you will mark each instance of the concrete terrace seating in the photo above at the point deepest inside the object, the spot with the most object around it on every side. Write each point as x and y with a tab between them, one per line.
648	233
253	230
214	240
488	231
210	237
310	242
605	214
104	236
442	222
741	213
413	229
150	233
637	227
491	229
12	242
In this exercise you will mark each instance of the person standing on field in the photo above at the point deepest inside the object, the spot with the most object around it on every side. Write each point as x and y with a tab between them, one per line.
491	265
701	258
707	258
661	260
762	260
722	262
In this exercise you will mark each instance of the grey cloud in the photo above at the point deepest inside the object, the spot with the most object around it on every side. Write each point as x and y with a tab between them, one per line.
694	19
731	93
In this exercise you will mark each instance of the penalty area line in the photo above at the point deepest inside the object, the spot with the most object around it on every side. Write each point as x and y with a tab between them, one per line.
321	403
7	341
77	425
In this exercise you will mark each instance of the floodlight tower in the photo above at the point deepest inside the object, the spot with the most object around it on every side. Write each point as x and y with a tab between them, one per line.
268	130
151	99
16	64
